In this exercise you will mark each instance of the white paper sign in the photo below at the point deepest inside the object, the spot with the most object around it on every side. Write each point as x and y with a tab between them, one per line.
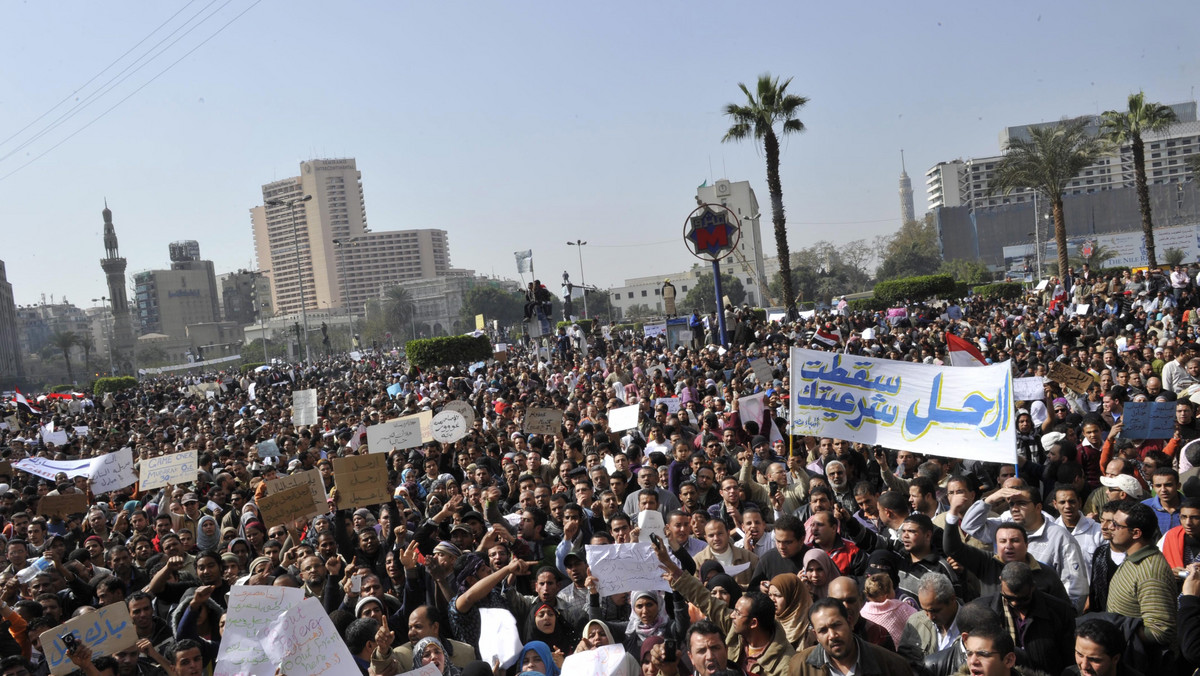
449	426
671	402
57	437
1082	309
81	430
603	661
400	434
356	355
499	639
626	568
751	408
623	418
276	627
174	469
268	449
736	569
304	407
463	408
1029	389
429	669
650	521
762	371
113	471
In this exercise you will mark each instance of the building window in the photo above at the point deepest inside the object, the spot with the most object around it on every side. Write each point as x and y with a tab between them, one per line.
631	294
656	292
643	293
684	289
616	296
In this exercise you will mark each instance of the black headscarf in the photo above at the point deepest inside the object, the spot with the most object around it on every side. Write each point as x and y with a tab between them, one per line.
563	637
728	584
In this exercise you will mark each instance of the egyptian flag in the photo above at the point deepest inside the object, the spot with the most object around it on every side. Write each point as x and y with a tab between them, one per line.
962	352
827	337
23	402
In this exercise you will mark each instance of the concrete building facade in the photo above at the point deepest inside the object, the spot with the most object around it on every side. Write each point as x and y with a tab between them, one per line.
240	292
332	259
11	364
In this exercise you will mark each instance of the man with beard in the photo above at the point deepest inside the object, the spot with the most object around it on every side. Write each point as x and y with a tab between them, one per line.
424	622
839	482
839	651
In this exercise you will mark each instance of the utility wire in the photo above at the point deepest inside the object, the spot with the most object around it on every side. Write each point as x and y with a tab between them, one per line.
134	92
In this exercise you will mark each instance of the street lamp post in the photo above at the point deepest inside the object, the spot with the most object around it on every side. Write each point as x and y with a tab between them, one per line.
291	205
262	316
582	278
107	333
339	243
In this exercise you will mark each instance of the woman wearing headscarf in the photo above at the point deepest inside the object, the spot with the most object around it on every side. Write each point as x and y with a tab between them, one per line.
537	658
723	587
792	602
547	625
649	618
429	650
596	634
208	536
819	571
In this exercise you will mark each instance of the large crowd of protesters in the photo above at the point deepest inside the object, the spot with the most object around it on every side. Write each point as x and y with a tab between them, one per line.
784	554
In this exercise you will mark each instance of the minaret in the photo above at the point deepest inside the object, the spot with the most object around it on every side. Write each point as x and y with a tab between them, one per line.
907	211
114	271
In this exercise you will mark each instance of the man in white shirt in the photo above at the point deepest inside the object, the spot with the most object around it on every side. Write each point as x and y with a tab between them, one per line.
1082	527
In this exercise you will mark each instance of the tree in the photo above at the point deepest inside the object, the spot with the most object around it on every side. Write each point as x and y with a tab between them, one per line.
1121	127
911	252
825	270
772	106
1174	256
703	298
1047	162
493	302
639	311
398	308
88	344
965	271
65	340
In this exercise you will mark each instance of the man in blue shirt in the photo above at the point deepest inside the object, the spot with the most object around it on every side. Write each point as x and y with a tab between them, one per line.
1166	501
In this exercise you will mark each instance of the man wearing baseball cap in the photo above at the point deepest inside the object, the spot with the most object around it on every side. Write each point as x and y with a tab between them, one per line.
1122	487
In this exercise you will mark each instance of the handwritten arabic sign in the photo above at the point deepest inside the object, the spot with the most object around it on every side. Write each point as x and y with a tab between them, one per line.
311	479
304	407
603	661
269	627
113	471
361	480
942	410
63	505
287	505
400	434
252	611
107	631
546	421
464	409
174	469
625	568
448	427
1028	389
672	404
1073	378
762	371
1149	420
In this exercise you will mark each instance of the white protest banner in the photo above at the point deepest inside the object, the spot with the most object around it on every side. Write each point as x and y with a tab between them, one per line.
174	469
57	437
113	471
107	631
82	430
652	330
1029	389
398	433
304	407
751	408
625	568
942	410
624	418
546	421
463	408
448	427
650	521
604	661
762	371
252	610
304	641
501	640
48	469
672	404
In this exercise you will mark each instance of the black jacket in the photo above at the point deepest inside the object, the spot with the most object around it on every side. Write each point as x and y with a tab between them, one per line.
1049	636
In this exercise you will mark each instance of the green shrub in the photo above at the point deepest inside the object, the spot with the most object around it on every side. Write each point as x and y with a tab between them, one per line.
62	388
961	289
585	324
1000	290
638	328
914	288
758	314
448	351
867	305
103	386
246	368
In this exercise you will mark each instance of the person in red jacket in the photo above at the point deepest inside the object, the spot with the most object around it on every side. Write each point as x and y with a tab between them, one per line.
1181	544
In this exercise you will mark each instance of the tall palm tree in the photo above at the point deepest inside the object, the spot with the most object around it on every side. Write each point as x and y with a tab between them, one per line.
1127	126
65	340
771	105
88	344
1053	155
398	309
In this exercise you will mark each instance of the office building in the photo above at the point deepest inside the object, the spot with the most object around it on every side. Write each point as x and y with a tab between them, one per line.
168	301
321	250
11	365
240	292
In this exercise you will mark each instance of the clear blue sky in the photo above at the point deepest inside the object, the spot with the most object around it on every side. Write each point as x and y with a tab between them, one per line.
517	125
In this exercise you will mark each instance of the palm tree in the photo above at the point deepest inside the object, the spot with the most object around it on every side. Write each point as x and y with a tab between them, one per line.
1121	127
1047	162
65	340
88	344
398	309
772	105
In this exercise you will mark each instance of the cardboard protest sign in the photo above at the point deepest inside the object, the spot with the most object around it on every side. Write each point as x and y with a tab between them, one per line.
312	479
1149	420
1075	379
625	568
113	471
6	468
940	410
448	427
361	480
624	418
287	505
399	433
107	631
174	469
63	505
1028	389
304	407
547	421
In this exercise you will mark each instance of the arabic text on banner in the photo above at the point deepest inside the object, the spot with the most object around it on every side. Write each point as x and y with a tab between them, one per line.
941	410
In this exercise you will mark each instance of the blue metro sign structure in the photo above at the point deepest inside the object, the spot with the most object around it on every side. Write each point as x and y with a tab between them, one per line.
712	233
